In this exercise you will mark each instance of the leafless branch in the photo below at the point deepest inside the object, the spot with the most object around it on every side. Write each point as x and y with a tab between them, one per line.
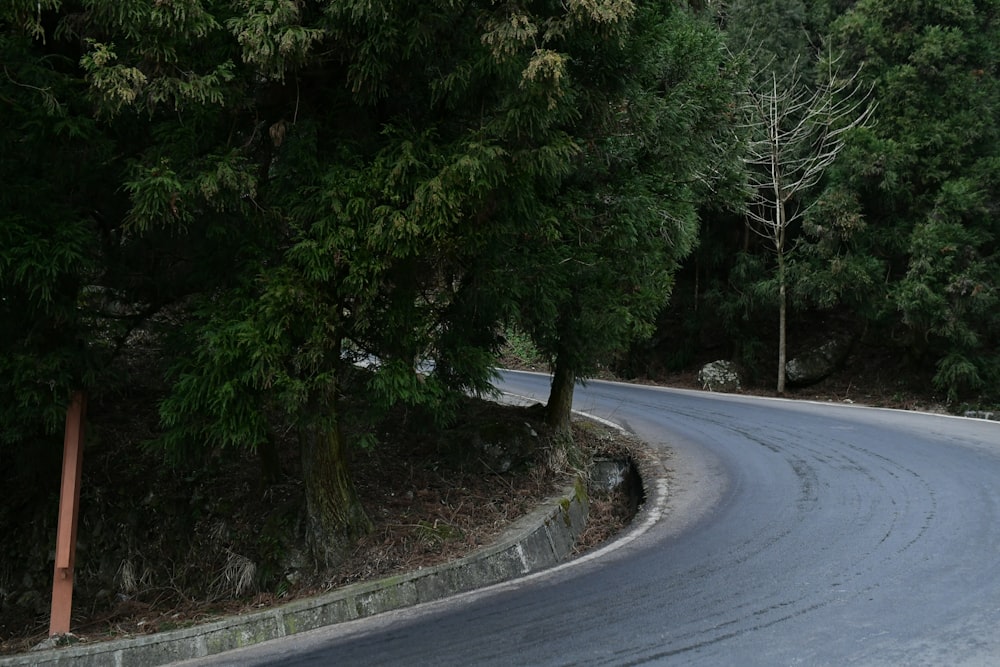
795	135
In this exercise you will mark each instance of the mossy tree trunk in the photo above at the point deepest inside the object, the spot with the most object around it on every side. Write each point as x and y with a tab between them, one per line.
559	414
335	518
559	409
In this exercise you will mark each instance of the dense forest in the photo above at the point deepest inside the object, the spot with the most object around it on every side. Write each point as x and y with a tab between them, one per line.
256	213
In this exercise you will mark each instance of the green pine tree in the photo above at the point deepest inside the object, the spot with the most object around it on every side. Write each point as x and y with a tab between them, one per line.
927	177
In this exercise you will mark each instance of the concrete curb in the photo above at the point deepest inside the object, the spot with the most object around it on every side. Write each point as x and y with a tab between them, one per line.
538	540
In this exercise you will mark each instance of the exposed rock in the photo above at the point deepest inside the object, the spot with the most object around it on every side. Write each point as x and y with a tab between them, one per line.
719	376
56	641
608	474
621	476
818	363
491	446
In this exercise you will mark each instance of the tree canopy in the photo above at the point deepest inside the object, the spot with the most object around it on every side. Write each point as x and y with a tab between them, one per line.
926	175
897	250
268	191
260	194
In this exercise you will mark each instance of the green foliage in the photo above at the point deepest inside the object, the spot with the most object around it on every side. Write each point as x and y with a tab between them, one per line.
53	166
743	307
625	216
957	375
830	265
215	399
520	347
901	240
388	235
276	182
774	34
272	36
927	178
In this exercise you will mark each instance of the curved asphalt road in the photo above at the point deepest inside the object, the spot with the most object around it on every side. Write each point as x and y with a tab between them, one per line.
794	534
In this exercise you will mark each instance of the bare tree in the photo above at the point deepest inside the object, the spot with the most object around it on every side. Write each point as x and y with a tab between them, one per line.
793	134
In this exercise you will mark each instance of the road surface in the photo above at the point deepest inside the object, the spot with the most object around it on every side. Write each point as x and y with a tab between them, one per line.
794	534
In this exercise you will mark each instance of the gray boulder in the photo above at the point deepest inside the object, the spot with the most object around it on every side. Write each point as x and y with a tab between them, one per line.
818	363
719	376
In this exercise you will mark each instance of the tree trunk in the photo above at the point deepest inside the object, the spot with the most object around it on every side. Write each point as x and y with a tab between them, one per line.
782	334
563	454
779	246
559	409
335	518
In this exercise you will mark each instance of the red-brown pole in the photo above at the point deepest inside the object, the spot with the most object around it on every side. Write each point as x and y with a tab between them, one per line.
69	506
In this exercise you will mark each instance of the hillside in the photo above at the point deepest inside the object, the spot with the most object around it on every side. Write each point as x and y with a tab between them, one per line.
164	546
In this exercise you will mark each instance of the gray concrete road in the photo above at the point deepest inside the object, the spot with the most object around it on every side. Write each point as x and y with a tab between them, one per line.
794	534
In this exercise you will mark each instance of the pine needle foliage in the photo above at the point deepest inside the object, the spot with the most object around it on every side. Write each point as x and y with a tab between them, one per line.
285	188
927	178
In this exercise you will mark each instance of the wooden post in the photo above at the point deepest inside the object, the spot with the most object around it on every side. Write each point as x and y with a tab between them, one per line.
69	505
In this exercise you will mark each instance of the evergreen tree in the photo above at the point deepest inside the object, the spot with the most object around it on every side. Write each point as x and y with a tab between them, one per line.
773	34
627	212
927	176
53	162
727	285
329	178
